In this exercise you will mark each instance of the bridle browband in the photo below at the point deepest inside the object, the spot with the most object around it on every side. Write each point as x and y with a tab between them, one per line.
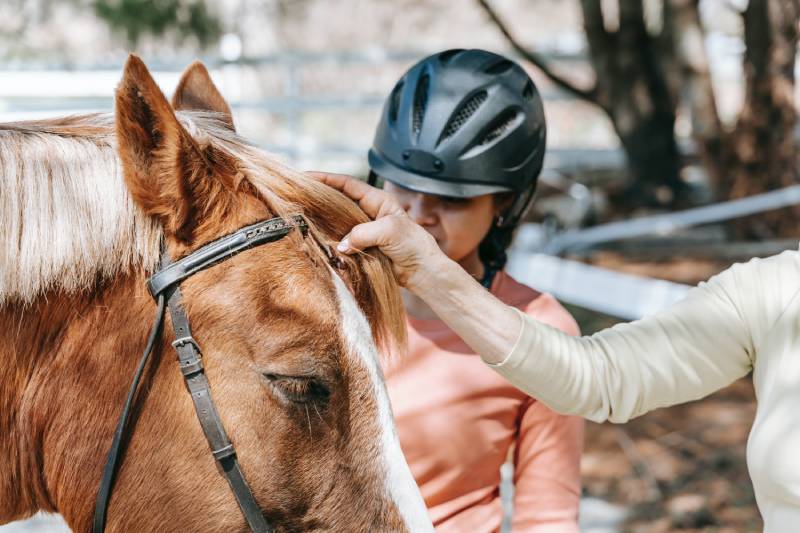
164	287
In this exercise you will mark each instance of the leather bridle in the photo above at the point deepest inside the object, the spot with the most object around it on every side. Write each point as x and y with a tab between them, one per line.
164	287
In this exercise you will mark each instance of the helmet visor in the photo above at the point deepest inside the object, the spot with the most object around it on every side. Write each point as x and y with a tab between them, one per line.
438	186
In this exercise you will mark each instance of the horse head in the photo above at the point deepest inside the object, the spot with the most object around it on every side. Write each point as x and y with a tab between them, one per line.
288	349
289	333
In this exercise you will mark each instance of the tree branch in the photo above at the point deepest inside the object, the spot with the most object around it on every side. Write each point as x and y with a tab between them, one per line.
537	60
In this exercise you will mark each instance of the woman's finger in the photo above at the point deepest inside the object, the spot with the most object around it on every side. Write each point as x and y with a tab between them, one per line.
410	248
337	181
374	202
383	232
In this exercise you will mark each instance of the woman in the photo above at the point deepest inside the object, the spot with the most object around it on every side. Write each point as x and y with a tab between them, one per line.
744	319
460	146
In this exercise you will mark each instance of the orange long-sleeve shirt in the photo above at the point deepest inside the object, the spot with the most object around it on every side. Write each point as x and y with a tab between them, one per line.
457	421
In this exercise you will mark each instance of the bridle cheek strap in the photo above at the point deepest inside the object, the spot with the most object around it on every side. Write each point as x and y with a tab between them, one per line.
164	286
191	364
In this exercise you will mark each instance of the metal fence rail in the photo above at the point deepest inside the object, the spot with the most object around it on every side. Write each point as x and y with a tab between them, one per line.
533	260
671	222
46	89
612	293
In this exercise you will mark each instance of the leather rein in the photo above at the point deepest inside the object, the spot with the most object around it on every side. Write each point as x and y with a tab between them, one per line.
164	287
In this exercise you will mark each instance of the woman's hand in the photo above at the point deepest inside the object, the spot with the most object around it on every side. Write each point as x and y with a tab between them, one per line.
485	323
412	250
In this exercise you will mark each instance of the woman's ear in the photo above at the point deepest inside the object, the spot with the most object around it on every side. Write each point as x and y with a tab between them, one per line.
197	92
503	201
165	170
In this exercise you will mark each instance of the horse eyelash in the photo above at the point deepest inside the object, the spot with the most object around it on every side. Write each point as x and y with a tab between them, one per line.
295	390
308	418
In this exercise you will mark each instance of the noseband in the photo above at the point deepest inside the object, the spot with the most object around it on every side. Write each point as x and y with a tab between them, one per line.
164	287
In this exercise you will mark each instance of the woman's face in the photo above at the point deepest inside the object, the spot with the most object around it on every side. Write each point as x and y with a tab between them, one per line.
458	225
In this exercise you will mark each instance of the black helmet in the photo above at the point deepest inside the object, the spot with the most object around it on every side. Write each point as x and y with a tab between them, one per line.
463	123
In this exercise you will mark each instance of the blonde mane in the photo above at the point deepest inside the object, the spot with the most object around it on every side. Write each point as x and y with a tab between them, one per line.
66	218
68	221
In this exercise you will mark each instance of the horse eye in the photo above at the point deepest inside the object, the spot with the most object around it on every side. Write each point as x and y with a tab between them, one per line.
298	389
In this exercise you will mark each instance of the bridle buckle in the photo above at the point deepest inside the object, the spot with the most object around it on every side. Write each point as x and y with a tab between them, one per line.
191	363
183	341
224	452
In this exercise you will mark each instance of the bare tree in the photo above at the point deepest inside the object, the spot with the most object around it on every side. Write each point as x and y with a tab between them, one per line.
641	78
762	150
631	86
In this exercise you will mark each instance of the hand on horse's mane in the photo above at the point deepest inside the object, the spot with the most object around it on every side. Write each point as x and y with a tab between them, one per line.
412	250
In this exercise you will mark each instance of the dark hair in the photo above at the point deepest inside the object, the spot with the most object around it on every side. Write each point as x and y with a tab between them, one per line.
493	247
492	252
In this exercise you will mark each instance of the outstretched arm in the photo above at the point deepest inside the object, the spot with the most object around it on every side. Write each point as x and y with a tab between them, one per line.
692	349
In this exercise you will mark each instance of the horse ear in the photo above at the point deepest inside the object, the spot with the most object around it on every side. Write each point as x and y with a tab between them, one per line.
162	164
197	92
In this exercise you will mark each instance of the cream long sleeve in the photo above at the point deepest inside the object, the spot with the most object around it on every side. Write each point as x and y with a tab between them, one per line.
746	318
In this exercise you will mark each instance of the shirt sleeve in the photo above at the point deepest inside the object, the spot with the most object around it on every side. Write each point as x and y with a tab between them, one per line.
691	349
547	478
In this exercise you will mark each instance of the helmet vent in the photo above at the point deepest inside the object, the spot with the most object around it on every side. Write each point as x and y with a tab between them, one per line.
446	56
420	103
499	67
501	125
527	92
394	102
463	113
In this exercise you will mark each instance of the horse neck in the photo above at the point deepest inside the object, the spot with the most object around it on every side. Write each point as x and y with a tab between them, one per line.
66	361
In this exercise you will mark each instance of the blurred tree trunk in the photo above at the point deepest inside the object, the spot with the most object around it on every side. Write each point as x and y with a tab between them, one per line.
762	150
632	86
696	89
641	79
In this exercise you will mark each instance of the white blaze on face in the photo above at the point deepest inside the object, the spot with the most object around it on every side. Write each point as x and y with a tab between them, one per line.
400	483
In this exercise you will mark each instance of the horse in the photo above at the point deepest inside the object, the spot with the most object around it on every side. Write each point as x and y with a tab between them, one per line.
290	332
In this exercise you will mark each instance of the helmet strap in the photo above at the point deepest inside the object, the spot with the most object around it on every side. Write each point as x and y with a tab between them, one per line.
372	178
512	215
